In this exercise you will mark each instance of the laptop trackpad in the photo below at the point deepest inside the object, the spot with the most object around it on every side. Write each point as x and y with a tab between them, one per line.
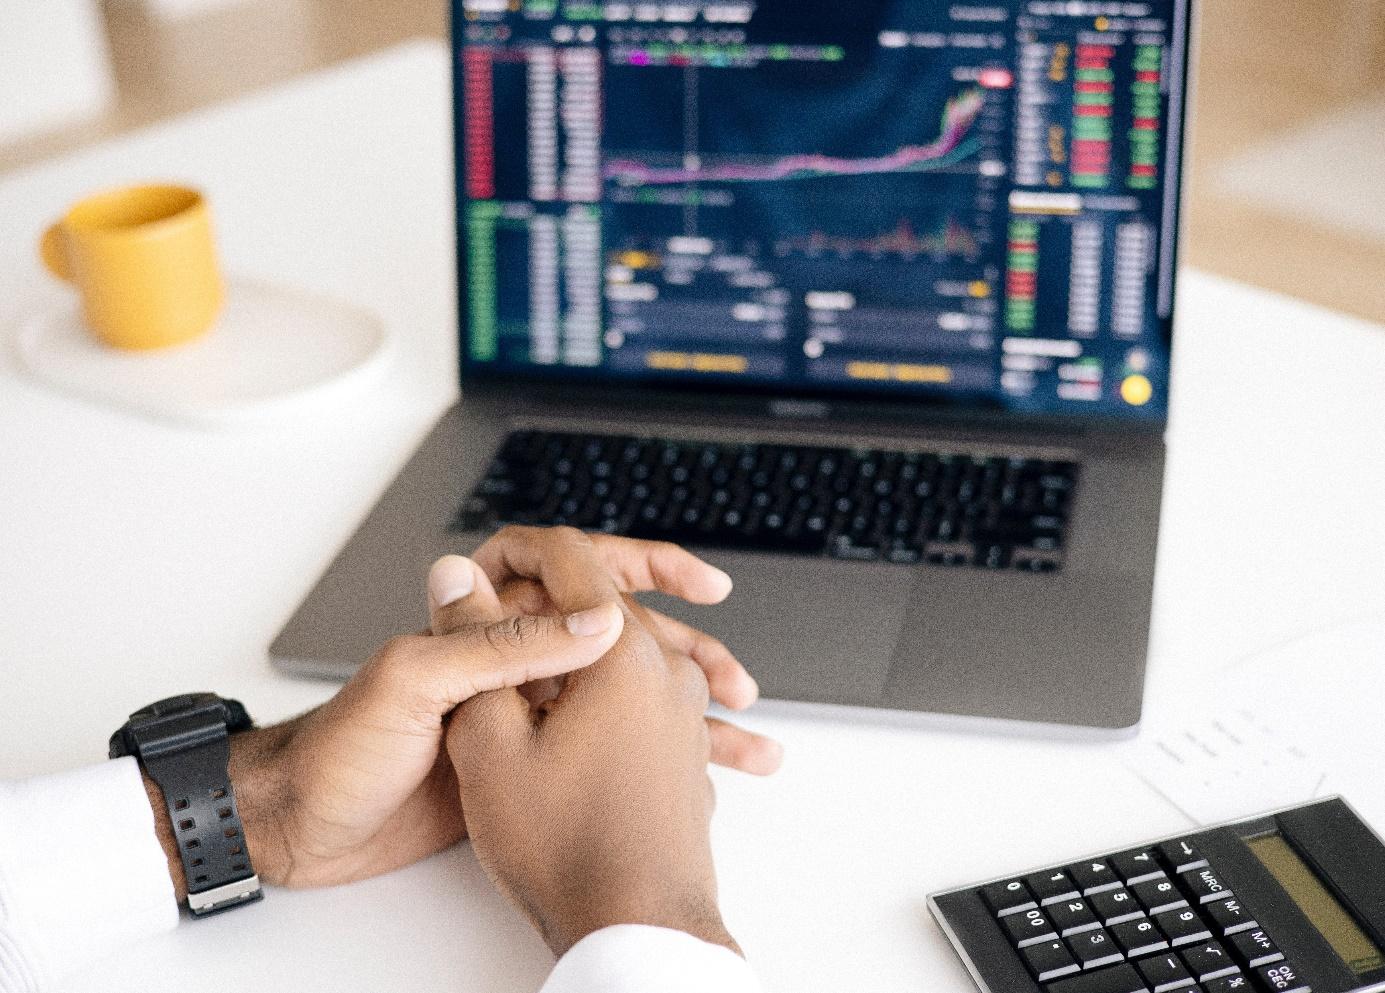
807	629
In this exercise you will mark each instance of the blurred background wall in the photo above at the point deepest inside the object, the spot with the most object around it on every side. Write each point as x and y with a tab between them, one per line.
1287	173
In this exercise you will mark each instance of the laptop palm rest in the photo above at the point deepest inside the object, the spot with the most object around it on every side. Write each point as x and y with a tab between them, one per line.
849	613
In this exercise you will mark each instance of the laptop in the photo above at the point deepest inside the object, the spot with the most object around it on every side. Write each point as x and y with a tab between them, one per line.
869	304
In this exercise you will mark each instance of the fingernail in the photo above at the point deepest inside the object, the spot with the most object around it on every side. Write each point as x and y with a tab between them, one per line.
450	579
726	581
589	623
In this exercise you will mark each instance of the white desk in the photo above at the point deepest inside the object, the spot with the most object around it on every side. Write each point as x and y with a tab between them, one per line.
138	560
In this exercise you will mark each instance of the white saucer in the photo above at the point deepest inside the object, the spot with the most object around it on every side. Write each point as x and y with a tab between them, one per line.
272	350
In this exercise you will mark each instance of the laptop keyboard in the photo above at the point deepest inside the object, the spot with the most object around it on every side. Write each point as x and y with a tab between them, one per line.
940	508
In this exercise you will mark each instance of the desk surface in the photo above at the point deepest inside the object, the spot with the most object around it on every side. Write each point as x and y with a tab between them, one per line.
142	559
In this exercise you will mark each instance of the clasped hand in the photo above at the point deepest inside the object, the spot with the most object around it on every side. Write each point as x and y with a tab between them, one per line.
548	715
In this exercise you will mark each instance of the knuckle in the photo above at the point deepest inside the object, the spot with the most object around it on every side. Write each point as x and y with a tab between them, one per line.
401	650
513	633
512	533
571	536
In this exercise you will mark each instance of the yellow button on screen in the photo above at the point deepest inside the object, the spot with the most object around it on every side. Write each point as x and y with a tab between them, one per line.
1136	390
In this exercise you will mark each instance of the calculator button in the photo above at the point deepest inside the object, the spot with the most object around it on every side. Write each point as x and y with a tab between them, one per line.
1158	895
1050	887
1182	855
1138	938
1255	947
1239	983
1095	949
1281	978
1094	876
1164	973
1118	979
1138	865
1230	916
1073	917
1182	927
1115	906
1204	885
1209	960
1008	898
1028	928
1050	960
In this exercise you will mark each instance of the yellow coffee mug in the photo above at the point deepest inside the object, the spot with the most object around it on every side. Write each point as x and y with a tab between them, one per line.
144	261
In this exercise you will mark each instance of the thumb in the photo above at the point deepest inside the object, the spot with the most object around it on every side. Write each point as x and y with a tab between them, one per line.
510	653
520	649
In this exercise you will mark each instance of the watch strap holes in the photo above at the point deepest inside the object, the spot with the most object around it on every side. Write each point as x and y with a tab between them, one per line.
181	804
201	879
239	867
187	824
219	793
194	843
224	813
231	832
197	863
237	850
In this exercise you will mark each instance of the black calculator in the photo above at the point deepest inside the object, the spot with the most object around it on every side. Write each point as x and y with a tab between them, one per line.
1286	902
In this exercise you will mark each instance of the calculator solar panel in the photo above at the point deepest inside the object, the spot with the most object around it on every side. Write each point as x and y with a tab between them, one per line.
1288	902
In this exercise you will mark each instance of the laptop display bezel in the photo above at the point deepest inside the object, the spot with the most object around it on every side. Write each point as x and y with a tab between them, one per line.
780	400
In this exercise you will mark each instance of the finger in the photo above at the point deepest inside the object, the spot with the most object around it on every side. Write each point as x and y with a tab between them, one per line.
426	677
737	748
563	559
730	685
641	566
460	595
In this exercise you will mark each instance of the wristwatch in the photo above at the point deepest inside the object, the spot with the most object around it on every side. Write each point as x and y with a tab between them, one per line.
183	744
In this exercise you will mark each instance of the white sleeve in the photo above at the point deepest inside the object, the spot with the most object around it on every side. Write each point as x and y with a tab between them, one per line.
633	958
81	872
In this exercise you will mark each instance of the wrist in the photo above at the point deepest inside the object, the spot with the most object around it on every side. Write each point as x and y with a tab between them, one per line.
257	789
696	915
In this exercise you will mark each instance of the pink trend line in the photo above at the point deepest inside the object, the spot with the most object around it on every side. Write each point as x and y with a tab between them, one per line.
958	118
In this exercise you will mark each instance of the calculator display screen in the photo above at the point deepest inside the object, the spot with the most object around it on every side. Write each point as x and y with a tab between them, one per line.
1323	910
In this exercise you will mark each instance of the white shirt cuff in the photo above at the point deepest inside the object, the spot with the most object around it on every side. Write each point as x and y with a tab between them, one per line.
634	958
81	872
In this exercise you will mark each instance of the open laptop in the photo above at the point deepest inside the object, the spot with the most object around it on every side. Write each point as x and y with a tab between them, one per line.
870	303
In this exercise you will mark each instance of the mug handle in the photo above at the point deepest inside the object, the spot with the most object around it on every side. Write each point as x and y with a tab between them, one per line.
54	253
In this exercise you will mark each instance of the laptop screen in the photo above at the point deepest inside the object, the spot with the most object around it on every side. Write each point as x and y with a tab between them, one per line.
971	202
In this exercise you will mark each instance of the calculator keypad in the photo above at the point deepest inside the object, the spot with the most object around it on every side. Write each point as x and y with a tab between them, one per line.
1154	920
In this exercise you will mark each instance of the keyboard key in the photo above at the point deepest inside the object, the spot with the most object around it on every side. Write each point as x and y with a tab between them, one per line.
1138	865
1203	885
1115	906
1072	917
1255	947
1281	978
1009	897
1137	938
1239	983
1157	895
1209	960
1050	887
1095	949
1182	855
1050	960
1029	927
860	504
1230	916
1165	973
1095	876
1182	927
1119	979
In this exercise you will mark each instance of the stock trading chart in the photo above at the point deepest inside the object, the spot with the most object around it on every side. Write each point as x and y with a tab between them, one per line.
958	200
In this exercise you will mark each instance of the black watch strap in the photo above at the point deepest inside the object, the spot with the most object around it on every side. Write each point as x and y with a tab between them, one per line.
183	744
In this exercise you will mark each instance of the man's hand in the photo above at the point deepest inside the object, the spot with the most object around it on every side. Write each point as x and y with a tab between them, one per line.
594	807
361	785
